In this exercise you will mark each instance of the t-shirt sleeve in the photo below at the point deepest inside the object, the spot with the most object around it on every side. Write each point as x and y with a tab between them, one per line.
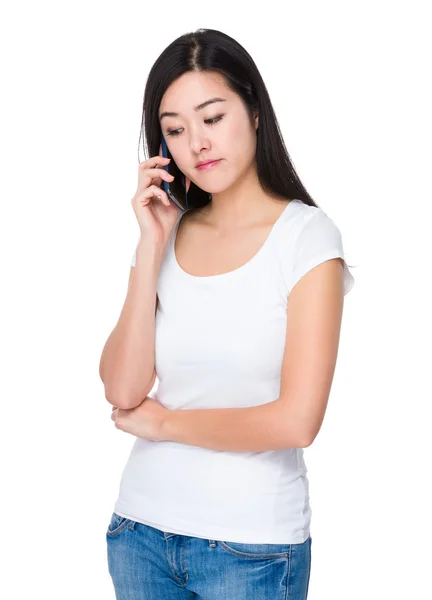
319	240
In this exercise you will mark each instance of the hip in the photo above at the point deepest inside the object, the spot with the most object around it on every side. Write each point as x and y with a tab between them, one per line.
144	561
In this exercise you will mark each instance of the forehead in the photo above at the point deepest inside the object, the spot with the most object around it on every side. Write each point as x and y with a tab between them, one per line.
193	88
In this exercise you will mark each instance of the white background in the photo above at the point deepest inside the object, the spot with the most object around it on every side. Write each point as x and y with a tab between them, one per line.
350	84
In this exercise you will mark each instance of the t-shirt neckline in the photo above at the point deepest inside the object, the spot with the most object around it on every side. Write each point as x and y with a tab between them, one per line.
234	272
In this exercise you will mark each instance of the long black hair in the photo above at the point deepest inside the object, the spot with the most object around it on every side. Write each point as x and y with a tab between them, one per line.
212	50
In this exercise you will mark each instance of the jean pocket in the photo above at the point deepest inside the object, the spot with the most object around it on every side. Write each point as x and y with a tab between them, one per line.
258	551
117	524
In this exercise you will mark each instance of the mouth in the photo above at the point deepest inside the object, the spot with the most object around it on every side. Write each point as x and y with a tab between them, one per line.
208	165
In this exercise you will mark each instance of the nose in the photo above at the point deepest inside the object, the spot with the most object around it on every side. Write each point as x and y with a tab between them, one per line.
198	144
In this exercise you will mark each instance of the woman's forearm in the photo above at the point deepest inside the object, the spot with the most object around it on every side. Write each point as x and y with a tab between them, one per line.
127	361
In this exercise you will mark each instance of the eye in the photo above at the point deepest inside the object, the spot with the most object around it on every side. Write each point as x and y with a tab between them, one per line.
212	121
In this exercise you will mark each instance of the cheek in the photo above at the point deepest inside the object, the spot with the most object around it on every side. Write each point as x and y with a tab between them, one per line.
238	140
231	132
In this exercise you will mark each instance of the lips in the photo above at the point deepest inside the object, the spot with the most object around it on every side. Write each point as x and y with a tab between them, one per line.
208	165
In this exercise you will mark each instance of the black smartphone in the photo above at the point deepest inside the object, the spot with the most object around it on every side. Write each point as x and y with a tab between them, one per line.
176	190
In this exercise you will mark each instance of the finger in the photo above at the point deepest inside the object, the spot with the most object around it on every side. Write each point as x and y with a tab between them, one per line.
151	193
153	162
161	173
154	174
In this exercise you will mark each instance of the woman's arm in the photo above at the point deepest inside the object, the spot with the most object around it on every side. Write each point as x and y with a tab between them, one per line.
127	362
315	307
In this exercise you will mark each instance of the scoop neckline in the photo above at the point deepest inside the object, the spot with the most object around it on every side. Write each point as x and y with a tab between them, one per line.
234	272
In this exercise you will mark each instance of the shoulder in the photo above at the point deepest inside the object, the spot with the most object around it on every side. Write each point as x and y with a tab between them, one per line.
304	224
309	236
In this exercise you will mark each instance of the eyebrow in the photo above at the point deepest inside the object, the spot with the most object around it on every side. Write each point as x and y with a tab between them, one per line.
199	107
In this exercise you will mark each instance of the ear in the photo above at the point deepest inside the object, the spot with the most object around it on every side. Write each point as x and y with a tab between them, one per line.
256	120
188	183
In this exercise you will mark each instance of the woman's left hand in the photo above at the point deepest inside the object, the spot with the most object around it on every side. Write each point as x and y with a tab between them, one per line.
145	420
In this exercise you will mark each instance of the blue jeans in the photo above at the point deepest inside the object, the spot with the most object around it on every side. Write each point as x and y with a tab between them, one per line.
149	564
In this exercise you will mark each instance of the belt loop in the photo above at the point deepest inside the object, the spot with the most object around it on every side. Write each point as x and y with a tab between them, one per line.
212	543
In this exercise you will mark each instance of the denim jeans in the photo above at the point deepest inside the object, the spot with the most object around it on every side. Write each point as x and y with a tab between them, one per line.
149	564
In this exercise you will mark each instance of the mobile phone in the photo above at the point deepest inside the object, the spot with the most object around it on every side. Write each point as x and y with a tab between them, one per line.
176	190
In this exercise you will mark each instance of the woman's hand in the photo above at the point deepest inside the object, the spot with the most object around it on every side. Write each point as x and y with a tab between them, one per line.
155	213
145	420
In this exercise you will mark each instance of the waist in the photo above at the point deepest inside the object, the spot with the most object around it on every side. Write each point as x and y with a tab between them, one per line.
264	495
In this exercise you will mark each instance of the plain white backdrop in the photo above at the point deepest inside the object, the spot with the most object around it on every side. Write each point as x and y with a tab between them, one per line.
350	84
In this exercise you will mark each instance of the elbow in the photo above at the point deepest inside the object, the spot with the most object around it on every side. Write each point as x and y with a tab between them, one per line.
123	401
131	399
305	443
118	400
297	440
307	439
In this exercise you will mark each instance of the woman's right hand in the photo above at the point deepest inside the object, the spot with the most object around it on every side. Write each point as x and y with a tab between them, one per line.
155	213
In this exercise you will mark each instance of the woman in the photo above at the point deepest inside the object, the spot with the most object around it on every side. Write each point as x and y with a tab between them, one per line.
236	305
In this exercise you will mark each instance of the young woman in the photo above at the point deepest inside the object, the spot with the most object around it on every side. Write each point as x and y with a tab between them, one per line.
235	305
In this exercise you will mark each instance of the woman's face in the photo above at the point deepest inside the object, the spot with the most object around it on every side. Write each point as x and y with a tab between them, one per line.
220	130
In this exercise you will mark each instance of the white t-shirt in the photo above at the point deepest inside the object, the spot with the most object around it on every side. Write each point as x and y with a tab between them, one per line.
219	344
